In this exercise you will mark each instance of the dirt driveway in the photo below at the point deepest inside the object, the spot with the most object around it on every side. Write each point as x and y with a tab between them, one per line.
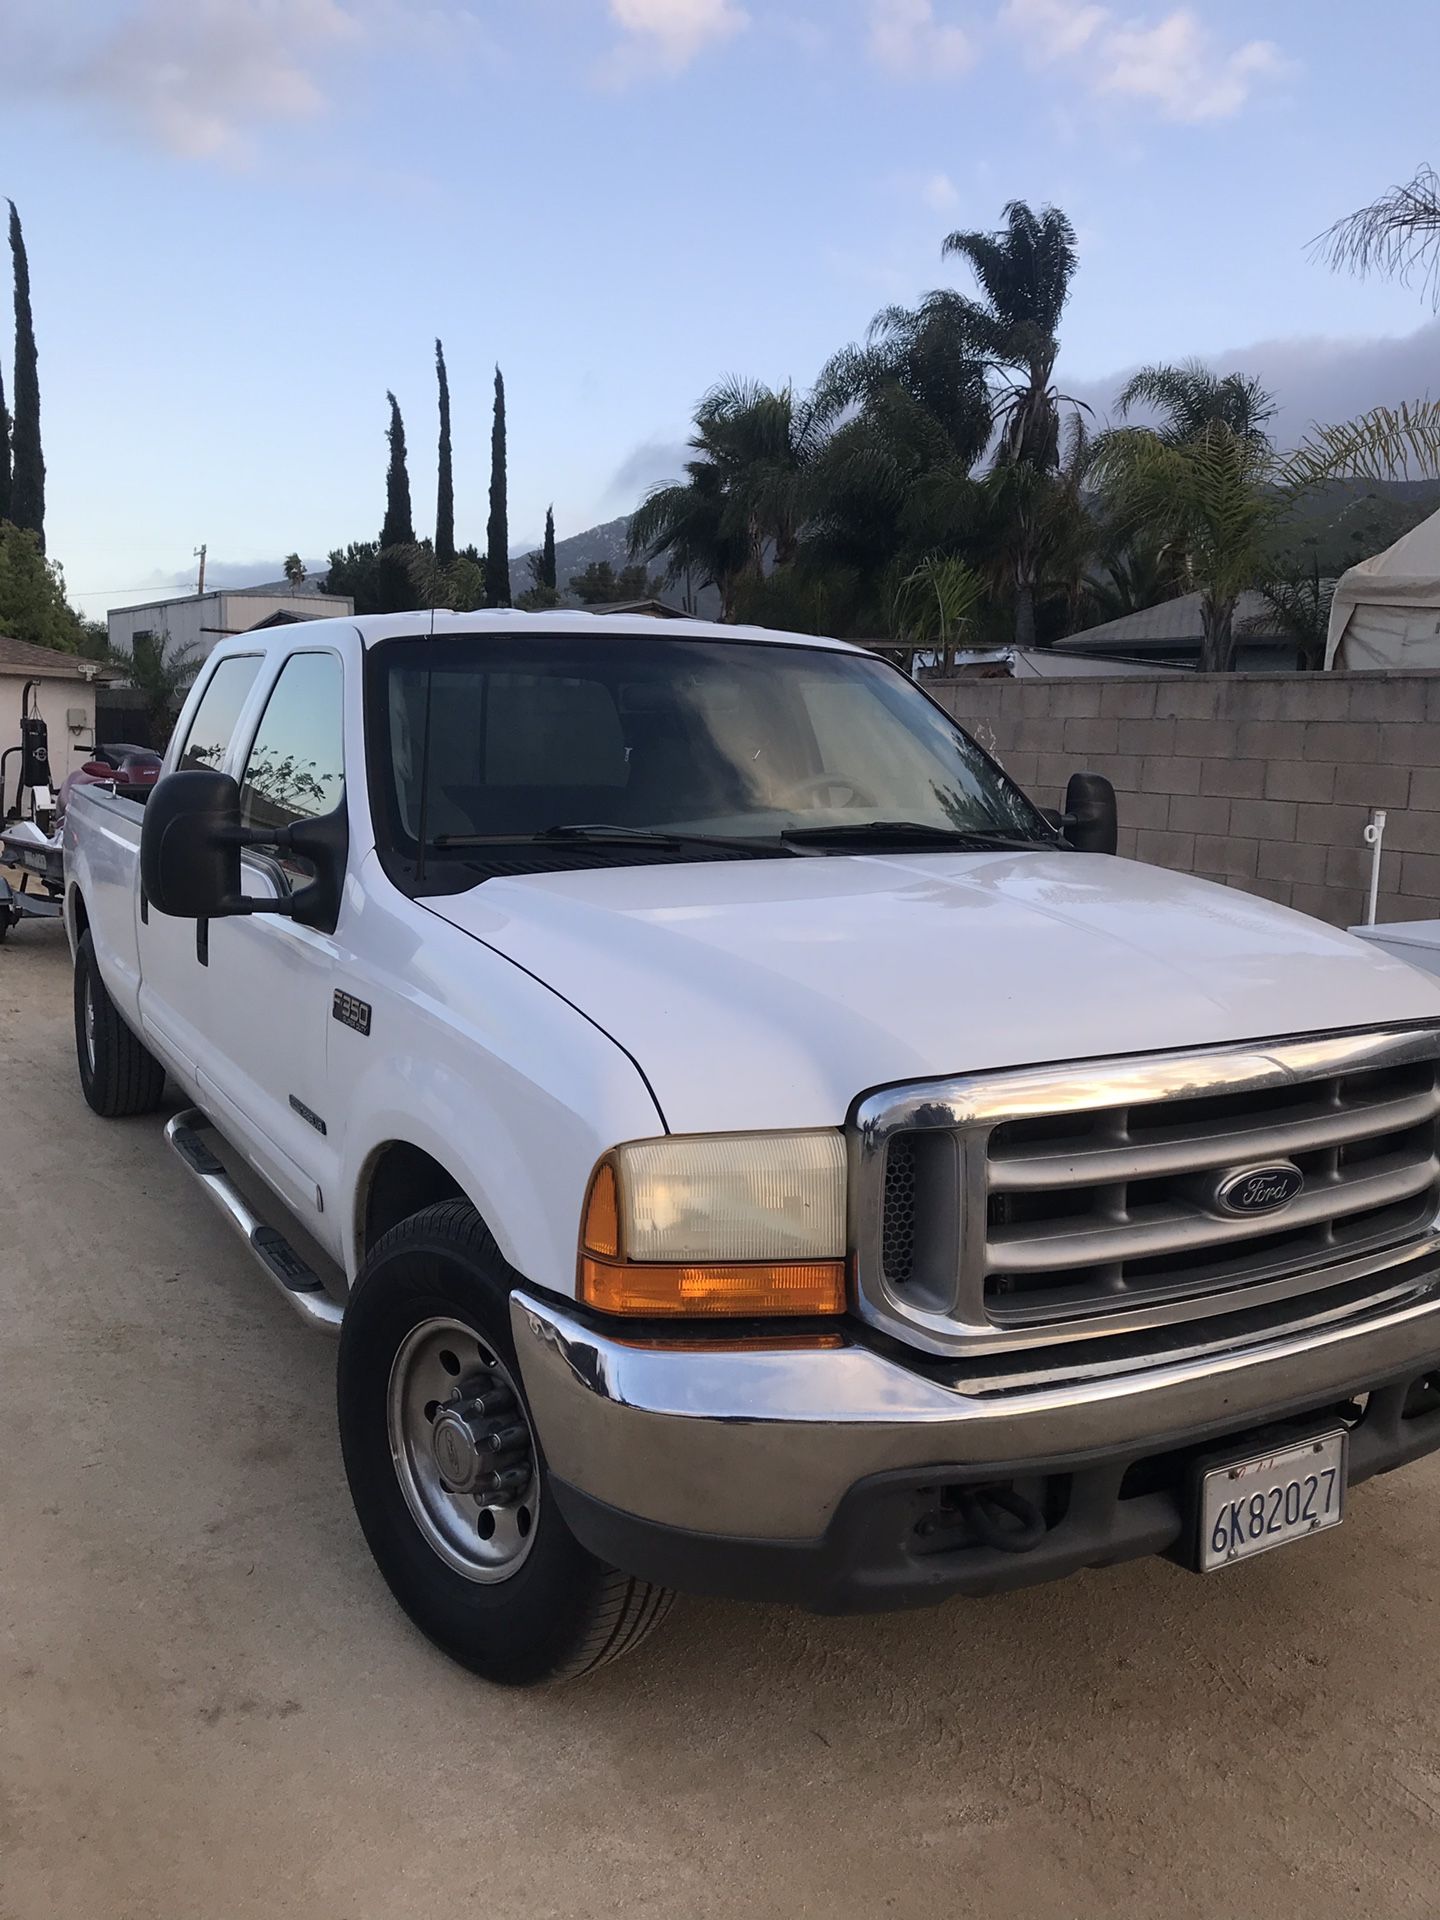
209	1706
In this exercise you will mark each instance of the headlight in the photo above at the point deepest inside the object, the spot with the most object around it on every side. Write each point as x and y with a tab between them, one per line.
741	1223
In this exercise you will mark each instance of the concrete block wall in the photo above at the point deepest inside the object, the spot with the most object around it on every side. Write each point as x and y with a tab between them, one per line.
1261	781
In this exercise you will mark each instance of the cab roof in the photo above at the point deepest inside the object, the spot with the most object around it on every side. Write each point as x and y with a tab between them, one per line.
374	627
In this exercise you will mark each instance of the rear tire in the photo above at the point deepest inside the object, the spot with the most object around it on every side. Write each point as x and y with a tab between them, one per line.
518	1601
118	1076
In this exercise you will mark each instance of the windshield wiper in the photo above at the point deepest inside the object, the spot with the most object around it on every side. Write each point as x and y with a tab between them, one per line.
863	831
601	832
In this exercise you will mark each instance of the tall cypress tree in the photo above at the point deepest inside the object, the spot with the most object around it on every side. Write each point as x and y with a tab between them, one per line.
4	454
497	537
399	528
445	491
547	552
27	474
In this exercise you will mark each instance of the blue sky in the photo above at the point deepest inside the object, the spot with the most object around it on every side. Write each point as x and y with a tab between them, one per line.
248	218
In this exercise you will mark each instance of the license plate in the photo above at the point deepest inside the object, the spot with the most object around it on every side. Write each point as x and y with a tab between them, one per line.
1268	1500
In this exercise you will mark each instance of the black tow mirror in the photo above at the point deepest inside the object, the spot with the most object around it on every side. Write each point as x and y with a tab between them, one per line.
190	846
1090	822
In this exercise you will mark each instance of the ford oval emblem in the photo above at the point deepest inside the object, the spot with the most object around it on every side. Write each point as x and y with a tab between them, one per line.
1245	1192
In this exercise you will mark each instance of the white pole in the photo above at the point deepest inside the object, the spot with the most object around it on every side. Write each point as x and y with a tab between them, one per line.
1375	840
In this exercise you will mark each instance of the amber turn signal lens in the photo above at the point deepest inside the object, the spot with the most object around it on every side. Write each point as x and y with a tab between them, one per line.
805	1287
601	1231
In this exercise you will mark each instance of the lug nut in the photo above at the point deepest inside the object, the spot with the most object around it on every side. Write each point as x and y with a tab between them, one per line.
499	1488
493	1403
503	1439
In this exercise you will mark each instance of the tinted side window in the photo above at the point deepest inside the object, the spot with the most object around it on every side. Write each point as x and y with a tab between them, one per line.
296	768
214	723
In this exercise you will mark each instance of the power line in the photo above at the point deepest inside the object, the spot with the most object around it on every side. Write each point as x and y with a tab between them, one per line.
92	593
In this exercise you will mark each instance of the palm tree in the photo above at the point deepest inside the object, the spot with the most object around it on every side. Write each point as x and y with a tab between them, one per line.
1028	532
743	504
1067	529
1220	493
1398	234
922	355
294	569
933	606
1131	575
1189	398
1024	272
909	416
1297	605
687	523
162	672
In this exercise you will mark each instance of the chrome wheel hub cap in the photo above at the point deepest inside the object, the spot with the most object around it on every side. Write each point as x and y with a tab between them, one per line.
464	1450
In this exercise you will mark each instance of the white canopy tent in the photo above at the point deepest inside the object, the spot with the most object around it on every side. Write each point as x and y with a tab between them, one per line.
1386	611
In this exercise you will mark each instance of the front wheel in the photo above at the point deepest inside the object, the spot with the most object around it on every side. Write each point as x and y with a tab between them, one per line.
447	1472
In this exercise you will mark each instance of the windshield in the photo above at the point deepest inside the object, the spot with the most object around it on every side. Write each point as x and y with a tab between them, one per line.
496	738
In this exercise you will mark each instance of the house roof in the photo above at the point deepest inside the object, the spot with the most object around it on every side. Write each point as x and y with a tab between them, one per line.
656	609
312	587
282	617
1174	624
20	657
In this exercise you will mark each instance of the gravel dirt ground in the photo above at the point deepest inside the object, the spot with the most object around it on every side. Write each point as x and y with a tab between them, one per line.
209	1706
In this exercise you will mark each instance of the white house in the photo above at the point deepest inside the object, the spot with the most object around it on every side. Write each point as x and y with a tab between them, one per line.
198	620
63	693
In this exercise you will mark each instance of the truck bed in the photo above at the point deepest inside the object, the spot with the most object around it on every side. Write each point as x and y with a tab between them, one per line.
102	860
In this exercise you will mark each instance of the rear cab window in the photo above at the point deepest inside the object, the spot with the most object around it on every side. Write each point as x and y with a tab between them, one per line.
221	705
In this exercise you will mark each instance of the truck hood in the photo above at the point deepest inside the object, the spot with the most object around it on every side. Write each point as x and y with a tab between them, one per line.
769	993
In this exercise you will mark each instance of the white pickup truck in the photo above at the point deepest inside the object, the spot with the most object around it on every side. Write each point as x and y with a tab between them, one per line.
765	1154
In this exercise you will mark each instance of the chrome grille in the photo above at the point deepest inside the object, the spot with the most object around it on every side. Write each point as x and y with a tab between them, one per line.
1011	1207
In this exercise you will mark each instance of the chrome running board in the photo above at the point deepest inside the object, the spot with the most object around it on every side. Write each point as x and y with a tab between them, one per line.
301	1289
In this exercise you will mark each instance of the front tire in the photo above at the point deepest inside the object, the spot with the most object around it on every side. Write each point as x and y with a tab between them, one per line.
118	1076
447	1472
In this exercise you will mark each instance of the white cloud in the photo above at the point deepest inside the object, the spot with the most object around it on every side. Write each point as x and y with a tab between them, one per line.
201	77
1174	64
652	463
1053	29
907	38
808	35
675	31
935	191
940	193
196	76
1314	377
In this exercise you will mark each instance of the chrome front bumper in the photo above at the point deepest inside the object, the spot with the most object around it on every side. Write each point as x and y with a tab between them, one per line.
765	1444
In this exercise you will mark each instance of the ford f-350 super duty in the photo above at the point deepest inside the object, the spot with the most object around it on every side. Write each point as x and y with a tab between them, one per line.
765	1153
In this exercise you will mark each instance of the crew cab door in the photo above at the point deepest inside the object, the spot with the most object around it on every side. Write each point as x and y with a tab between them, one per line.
271	983
174	1001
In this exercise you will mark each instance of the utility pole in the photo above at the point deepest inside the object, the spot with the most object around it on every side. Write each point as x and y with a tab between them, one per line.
199	553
